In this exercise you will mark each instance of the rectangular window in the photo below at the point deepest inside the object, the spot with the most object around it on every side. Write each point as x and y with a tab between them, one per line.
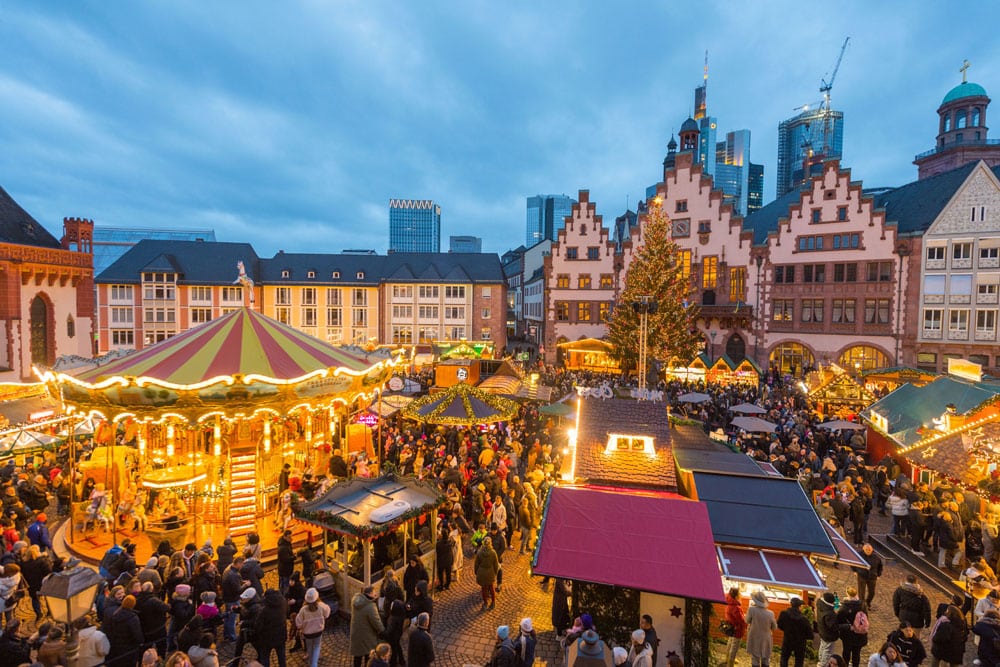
454	291
456	333
562	311
607	281
201	293
879	272
402	335
359	317
961	284
814	273
402	312
121	315
122	337
309	296
486	313
841	213
333	296
932	319
843	311
121	292
428	292
961	251
958	321
232	294
583	311
487	292
571	253
562	281
934	285
583	281
992	252
454	312
402	292
604	311
593	253
334	317
935	253
737	284
710	267
428	312
784	310
200	315
704	227
283	314
283	296
359	296
987	289
682	206
309	316
685	260
812	310
816	215
986	321
876	311
784	274
485	333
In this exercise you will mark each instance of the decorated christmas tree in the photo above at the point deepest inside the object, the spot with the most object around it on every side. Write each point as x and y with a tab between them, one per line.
659	283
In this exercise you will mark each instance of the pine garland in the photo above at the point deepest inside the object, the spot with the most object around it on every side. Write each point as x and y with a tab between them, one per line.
504	408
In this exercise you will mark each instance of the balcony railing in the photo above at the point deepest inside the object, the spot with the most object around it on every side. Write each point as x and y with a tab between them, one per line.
947	147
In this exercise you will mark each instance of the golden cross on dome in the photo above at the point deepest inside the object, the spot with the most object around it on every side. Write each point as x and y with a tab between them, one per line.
964	68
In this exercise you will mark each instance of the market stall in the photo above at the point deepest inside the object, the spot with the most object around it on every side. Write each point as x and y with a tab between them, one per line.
224	406
588	354
461	405
837	393
695	371
377	522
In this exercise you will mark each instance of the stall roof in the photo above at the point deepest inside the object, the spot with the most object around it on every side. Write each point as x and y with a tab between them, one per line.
845	552
650	541
599	418
771	568
693	450
951	455
765	512
347	507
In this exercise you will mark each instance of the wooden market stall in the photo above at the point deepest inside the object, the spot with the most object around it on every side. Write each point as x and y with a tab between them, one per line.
211	416
377	522
588	354
838	394
695	371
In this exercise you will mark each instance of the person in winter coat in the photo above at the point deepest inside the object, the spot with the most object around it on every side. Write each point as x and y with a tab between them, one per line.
760	626
9	582
503	649
850	607
640	654
93	644
420	649
826	626
286	560
394	632
52	652
204	653
250	607
414	572
948	637
232	587
420	603
252	571
487	566
888	656
734	616
907	642
182	610
524	645
190	635
988	631
911	604
797	630
561	620
366	626
152	612
389	591
445	558
225	554
868	578
125	636
269	628
310	622
34	569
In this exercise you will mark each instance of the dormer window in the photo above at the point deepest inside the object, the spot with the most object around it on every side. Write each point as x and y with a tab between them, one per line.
336	275
310	274
619	442
284	273
361	275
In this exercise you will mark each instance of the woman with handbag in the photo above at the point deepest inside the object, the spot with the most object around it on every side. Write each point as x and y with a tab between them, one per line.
735	626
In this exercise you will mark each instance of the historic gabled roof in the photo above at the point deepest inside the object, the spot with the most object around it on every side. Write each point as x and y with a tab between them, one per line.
600	418
765	220
18	227
416	267
196	262
915	206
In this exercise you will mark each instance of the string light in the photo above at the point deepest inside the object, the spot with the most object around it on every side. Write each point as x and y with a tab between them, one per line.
170	440
267	435
217	437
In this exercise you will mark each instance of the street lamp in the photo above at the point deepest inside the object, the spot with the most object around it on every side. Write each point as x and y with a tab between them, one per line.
644	307
69	595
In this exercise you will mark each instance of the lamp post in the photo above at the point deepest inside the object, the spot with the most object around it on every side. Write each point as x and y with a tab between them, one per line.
903	251
645	307
711	350
69	595
758	312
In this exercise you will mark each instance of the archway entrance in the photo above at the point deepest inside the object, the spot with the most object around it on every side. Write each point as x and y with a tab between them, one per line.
41	352
791	358
736	348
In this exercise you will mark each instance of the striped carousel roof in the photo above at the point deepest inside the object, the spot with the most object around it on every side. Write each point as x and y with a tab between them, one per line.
243	342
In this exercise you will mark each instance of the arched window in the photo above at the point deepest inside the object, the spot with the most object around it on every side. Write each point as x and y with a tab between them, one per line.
41	345
736	348
863	358
791	358
947	123
960	118
975	118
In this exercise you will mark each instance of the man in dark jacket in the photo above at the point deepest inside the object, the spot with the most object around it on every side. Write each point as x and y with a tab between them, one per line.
226	552
286	560
338	466
797	631
500	546
232	586
445	558
152	613
270	631
125	635
907	642
253	572
250	606
910	604
867	579
420	652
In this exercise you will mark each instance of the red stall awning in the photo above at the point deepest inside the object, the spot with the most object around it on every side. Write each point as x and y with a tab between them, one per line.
650	541
845	552
771	568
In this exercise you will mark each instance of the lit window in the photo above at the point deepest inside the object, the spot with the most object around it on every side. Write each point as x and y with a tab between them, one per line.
618	442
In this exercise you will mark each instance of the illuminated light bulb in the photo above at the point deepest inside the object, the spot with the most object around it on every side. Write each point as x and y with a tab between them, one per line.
267	435
170	440
309	428
142	442
217	438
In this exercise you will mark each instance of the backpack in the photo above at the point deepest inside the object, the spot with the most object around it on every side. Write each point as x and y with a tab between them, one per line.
860	623
110	561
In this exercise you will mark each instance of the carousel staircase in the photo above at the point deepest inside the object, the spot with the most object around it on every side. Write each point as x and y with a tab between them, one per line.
242	492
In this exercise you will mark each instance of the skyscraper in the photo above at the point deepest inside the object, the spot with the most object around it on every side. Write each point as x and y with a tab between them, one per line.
465	244
755	196
414	225
545	217
804	141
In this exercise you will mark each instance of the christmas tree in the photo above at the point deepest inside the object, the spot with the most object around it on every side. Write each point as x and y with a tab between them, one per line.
657	275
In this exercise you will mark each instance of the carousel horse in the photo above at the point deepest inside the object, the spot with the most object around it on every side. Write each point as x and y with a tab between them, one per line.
99	509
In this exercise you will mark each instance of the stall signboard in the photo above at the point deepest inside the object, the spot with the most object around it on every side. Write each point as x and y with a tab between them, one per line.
366	418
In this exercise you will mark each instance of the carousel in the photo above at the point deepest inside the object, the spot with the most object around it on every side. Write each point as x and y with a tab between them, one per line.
205	422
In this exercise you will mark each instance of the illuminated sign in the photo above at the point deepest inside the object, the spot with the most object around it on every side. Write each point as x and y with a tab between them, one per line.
965	369
366	418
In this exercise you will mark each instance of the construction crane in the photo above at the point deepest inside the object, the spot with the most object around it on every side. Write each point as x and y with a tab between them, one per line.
825	88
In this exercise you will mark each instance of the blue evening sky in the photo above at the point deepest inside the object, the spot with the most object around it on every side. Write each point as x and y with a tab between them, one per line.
291	124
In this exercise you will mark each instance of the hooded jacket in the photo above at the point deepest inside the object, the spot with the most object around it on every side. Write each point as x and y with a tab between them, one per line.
826	621
366	626
796	628
909	603
269	627
988	630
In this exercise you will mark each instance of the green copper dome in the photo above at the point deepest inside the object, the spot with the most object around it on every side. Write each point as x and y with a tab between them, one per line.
964	89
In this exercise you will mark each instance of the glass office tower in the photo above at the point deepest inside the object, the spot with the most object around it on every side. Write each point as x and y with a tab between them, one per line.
414	225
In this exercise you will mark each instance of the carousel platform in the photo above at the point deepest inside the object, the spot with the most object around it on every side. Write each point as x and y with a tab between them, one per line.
90	545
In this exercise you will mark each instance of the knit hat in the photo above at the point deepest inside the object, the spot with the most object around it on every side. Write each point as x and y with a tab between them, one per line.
128	602
639	636
587	621
620	655
503	632
312	595
796	602
590	637
20	544
526	625
829	597
41	517
153	561
182	590
248	594
208	597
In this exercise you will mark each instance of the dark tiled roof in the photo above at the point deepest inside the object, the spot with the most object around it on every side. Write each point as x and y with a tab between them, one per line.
18	227
761	511
417	267
196	262
765	220
599	418
914	206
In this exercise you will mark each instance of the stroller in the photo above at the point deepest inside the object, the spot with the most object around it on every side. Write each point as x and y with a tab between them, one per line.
325	583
